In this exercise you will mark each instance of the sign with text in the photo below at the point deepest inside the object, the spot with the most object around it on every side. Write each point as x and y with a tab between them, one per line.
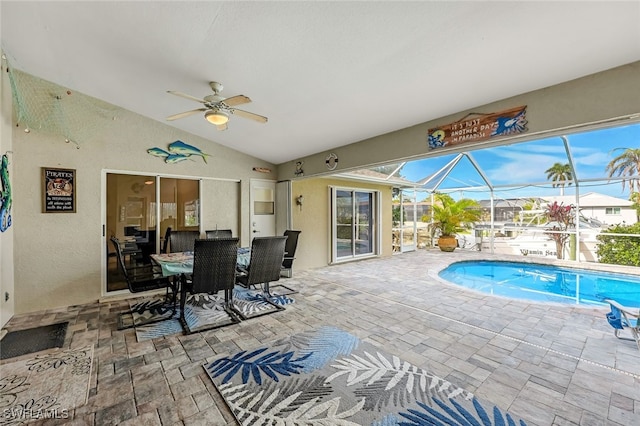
59	190
477	127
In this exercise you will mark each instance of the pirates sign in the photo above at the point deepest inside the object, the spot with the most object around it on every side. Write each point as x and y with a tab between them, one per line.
59	195
477	127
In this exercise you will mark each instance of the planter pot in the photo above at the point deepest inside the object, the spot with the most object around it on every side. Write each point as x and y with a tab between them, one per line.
447	243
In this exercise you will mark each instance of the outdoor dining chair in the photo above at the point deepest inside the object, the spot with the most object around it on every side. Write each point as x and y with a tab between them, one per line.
214	270
145	278
218	233
289	256
180	241
623	318
290	251
264	265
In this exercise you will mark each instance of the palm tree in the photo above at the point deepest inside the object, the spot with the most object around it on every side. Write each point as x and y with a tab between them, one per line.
559	174
627	166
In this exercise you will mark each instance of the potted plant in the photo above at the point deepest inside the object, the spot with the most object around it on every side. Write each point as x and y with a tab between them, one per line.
451	216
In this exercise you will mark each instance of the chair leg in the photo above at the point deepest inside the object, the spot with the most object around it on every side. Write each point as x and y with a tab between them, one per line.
290	290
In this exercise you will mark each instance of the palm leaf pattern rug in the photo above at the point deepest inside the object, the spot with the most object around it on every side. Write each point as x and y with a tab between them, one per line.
330	377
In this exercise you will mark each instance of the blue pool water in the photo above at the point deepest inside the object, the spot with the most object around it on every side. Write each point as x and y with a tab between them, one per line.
538	282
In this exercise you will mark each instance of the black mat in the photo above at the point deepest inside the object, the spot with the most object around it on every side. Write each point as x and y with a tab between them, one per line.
21	342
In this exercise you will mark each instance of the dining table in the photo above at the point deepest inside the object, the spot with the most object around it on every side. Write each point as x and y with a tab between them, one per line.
181	263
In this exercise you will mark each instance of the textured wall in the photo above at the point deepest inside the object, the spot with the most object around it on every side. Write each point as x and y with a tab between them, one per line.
315	218
59	257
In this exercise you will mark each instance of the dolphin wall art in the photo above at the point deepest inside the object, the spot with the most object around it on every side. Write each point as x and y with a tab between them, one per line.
177	152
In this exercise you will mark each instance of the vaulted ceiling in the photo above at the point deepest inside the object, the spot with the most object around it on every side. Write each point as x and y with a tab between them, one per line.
326	74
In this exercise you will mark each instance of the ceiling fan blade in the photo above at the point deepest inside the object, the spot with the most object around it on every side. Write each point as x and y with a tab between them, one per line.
247	114
185	114
237	100
222	126
184	95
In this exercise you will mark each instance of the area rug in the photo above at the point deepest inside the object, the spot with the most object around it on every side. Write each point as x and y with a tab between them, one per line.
22	342
46	386
330	377
202	312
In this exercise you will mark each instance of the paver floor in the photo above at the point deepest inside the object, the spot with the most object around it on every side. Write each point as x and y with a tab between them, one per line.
550	364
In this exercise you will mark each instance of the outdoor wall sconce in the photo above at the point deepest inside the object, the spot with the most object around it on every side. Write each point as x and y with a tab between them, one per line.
299	201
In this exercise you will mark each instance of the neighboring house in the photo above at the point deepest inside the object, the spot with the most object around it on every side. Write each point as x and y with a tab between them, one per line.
605	208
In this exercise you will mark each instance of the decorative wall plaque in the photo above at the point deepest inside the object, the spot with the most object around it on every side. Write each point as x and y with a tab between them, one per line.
477	127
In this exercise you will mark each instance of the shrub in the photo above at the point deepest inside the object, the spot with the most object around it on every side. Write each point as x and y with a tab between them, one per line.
620	250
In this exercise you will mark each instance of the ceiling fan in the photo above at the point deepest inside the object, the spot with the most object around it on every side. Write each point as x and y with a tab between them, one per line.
217	108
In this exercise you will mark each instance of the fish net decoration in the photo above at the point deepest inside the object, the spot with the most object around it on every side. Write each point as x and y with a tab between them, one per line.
46	107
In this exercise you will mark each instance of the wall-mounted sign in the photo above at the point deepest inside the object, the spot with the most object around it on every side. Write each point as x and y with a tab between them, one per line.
59	190
476	127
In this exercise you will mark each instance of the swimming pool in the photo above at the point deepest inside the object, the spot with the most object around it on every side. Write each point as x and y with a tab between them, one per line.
533	281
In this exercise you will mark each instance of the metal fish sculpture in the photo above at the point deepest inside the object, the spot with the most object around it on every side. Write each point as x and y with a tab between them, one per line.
175	158
179	147
157	152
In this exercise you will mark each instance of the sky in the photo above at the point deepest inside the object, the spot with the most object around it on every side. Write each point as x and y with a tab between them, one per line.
525	163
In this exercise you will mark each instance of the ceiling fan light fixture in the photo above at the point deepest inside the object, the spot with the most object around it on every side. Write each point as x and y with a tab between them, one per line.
216	116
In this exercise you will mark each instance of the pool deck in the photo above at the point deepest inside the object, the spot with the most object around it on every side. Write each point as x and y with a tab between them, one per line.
550	364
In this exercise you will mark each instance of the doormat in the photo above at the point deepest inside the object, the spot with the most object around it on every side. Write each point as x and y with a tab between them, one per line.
330	377
22	342
45	387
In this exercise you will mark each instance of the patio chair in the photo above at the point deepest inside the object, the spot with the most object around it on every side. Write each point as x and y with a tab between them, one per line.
218	233
144	278
264	265
621	318
290	251
214	270
289	256
180	241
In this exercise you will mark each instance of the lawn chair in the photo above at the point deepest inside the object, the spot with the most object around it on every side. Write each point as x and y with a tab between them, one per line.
145	278
621	318
264	265
214	270
180	241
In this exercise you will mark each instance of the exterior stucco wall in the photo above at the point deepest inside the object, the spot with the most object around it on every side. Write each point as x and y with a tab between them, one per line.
314	219
59	256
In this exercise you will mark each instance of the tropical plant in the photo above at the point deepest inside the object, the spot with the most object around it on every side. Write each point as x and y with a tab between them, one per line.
619	249
451	216
560	174
561	218
627	166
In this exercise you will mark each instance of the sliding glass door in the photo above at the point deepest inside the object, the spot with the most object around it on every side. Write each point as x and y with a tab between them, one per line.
139	222
354	218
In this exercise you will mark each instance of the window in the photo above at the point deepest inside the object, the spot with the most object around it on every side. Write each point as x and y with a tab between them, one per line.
612	210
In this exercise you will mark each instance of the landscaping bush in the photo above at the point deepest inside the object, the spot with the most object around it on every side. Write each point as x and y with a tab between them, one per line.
620	250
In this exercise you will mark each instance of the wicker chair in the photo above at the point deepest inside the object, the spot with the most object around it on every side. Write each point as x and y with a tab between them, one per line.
219	233
214	269
182	240
289	255
290	251
144	278
265	263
